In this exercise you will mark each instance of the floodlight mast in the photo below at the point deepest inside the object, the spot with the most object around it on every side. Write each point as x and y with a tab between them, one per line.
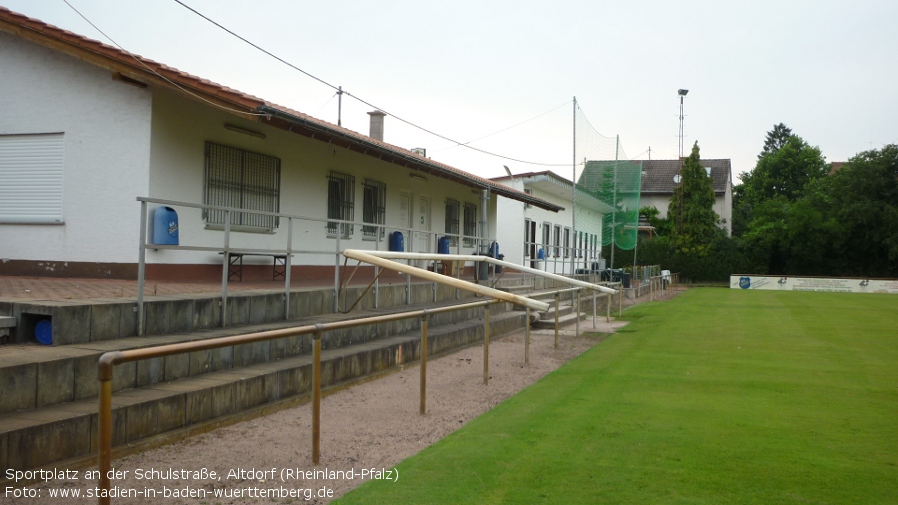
682	93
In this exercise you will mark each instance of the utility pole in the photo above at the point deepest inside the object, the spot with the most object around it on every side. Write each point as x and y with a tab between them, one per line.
340	107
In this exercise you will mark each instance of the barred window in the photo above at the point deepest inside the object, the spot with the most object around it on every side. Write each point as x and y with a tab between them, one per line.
374	207
470	224
340	203
452	221
567	242
244	180
557	241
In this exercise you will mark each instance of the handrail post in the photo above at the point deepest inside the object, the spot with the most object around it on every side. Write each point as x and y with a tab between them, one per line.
141	268
557	299
316	397
608	308
104	444
337	271
577	311
527	338
226	269
424	321
288	264
620	299
486	345
594	310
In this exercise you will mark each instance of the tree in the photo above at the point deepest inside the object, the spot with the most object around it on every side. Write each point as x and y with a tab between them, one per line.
776	139
691	209
784	171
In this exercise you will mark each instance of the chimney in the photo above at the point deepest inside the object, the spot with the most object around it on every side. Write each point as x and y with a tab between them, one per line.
376	130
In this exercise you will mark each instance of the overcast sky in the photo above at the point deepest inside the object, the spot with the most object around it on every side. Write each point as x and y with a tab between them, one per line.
469	69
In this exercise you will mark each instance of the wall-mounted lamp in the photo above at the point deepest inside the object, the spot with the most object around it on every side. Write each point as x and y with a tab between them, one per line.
418	177
244	131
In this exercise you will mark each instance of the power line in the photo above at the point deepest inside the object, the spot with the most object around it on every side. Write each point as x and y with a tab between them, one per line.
510	127
462	144
138	60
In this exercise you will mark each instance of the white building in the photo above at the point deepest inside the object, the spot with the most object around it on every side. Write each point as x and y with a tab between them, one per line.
568	239
87	129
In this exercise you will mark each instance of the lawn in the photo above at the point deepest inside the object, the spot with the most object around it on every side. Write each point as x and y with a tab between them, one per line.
719	396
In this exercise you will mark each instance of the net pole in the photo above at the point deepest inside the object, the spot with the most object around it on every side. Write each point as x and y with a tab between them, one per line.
614	202
574	190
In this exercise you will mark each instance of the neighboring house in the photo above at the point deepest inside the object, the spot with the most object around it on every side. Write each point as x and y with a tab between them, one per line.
660	179
86	129
525	230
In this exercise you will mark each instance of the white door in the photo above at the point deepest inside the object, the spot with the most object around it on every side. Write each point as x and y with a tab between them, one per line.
422	223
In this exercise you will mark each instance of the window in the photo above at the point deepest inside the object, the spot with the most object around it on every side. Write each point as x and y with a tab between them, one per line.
31	178
373	207
470	224
452	221
567	242
529	192
244	180
340	203
557	241
546	232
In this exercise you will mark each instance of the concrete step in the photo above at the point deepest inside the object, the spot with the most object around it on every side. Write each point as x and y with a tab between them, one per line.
87	321
34	376
563	320
44	436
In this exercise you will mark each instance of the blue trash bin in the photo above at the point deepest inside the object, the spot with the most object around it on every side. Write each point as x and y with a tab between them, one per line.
165	226
443	245
397	242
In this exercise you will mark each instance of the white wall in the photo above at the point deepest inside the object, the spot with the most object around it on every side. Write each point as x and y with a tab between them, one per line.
106	126
182	126
723	206
511	216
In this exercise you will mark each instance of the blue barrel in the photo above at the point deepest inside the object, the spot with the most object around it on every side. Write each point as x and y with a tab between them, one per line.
165	226
541	254
43	332
397	242
494	250
443	245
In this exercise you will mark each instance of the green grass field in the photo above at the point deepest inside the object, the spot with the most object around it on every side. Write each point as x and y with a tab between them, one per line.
718	396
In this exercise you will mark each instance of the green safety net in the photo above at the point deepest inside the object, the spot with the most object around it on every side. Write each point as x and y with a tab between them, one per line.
618	184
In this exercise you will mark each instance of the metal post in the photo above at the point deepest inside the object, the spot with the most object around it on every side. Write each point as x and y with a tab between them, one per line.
225	269
316	397
608	309
557	299
620	299
408	278
423	408
141	268
104	449
486	346
380	232
594	310
288	265
337	271
577	311
527	338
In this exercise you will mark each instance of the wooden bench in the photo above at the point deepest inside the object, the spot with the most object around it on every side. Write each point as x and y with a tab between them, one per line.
235	264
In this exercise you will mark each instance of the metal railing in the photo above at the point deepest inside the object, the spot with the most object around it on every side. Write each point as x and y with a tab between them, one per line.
288	249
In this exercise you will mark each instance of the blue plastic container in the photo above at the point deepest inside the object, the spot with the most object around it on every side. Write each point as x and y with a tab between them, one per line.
43	332
165	226
541	254
443	245
494	250
397	242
